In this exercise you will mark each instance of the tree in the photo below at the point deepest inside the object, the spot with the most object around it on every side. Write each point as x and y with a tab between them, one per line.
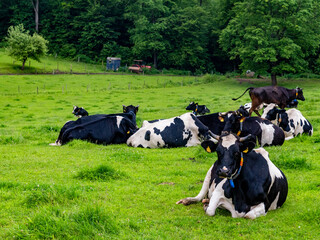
21	45
36	13
273	36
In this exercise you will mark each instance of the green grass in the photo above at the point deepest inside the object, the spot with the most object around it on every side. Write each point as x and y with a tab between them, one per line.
87	191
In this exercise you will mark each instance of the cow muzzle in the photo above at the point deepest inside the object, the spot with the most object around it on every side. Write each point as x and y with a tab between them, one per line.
223	172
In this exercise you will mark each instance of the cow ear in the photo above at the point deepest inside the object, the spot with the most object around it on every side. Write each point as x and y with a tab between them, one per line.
248	145
137	108
209	146
124	108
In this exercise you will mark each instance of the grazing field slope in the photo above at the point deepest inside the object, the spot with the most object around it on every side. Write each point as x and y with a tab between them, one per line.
87	191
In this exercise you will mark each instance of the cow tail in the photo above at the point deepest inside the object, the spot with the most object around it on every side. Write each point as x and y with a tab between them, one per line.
249	88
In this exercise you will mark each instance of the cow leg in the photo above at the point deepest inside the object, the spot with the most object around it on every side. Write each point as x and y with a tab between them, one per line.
203	192
256	211
215	200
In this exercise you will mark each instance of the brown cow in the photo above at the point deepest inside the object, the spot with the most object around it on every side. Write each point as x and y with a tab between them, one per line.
272	94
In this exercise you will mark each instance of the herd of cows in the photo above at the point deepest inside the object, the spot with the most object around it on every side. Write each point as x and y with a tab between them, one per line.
243	180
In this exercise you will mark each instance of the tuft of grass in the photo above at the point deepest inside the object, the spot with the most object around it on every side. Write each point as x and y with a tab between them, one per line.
55	223
5	140
288	162
100	173
49	194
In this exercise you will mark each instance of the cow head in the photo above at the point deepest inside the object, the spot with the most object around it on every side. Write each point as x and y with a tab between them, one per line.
230	149
192	106
299	94
281	116
75	110
130	108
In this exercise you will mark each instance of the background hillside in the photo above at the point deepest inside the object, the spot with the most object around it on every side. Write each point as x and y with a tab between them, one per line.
198	36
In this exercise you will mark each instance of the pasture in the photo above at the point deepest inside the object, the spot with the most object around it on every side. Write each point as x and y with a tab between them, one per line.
87	191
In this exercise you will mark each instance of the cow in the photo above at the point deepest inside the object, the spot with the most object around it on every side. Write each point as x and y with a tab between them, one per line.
243	180
100	128
272	94
197	109
291	121
265	131
182	131
79	112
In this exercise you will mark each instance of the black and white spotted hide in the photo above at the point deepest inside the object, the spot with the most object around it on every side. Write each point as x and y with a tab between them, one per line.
291	121
248	191
183	131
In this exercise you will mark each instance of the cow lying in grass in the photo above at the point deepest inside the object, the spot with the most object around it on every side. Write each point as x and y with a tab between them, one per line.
183	131
101	128
79	112
197	109
243	181
291	121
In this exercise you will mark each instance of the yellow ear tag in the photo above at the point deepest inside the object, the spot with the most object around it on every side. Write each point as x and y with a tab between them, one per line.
242	119
245	151
221	119
238	134
128	132
296	94
280	120
208	149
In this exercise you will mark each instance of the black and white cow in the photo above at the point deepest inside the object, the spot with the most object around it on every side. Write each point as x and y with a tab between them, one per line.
183	131
243	181
291	121
265	131
79	112
100	129
197	109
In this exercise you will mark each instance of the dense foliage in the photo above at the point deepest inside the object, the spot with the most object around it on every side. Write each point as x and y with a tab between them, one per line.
21	45
268	36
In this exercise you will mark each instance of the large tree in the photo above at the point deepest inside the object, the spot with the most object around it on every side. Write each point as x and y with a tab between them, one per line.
273	36
21	45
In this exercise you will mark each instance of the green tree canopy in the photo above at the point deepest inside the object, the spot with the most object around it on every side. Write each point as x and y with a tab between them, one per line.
273	36
21	45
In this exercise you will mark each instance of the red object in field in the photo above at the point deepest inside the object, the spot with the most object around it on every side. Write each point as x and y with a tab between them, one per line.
138	66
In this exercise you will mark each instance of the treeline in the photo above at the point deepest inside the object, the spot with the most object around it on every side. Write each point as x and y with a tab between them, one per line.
195	35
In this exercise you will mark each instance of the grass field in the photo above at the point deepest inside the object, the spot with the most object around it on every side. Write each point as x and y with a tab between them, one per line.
87	191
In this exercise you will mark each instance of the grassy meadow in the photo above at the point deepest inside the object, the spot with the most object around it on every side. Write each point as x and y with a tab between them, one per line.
87	191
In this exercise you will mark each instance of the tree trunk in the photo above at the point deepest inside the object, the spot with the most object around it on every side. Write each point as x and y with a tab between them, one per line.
274	79
36	13
23	63
155	60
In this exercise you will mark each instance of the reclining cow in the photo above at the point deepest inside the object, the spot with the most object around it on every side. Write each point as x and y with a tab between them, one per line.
291	121
242	180
267	133
197	109
101	128
272	94
79	112
183	131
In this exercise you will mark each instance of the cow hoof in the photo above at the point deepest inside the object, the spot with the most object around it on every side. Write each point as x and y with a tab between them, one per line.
184	201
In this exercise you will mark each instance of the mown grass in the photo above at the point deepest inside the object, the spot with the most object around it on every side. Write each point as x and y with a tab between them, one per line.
87	191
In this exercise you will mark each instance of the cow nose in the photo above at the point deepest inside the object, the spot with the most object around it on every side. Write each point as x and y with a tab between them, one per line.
223	172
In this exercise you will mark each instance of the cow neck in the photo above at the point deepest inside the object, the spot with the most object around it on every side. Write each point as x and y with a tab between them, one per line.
196	110
241	125
237	173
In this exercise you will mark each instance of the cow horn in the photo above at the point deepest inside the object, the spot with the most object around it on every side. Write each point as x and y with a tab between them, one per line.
137	106
242	139
223	113
124	105
215	136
